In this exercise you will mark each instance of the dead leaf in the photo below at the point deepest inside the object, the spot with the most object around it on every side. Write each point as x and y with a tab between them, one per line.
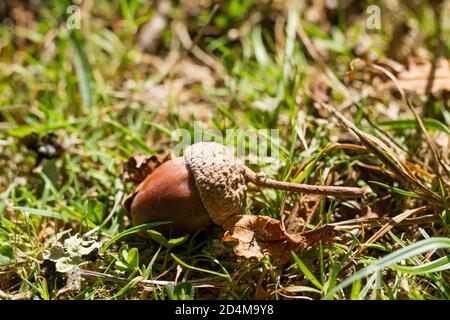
137	168
303	212
417	76
321	234
258	236
261	236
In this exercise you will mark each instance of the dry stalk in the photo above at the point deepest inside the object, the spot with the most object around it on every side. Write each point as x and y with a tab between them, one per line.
343	192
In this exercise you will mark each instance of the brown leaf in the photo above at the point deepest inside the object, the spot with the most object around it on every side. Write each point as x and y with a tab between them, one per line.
420	72
259	236
137	168
312	238
303	212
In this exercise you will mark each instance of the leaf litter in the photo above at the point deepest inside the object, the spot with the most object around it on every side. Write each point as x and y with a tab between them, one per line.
260	236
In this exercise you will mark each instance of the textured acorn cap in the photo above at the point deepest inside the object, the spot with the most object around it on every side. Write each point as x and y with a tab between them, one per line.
219	178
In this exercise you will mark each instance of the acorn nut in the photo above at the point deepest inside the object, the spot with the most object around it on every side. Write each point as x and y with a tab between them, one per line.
205	186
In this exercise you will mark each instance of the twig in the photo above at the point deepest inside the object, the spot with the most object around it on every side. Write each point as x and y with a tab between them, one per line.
344	192
201	55
385	155
389	158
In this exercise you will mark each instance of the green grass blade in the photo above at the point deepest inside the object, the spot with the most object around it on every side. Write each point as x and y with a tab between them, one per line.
433	266
396	190
199	269
131	231
356	289
160	128
306	271
134	136
39	212
132	283
393	258
412	124
83	71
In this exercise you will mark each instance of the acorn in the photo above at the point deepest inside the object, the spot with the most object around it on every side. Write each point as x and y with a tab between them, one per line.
207	186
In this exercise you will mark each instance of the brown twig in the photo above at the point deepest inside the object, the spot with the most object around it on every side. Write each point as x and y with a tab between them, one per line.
344	192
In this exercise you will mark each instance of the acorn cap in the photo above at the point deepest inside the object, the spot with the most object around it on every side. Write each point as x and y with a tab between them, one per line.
219	178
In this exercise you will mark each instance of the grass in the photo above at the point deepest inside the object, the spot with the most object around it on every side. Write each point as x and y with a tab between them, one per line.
107	100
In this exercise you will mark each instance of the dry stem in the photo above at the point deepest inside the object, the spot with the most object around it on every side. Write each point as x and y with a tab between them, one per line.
343	192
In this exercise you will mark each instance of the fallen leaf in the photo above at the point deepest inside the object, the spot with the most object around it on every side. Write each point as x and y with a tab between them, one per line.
321	234
137	168
303	212
261	293
261	236
416	78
